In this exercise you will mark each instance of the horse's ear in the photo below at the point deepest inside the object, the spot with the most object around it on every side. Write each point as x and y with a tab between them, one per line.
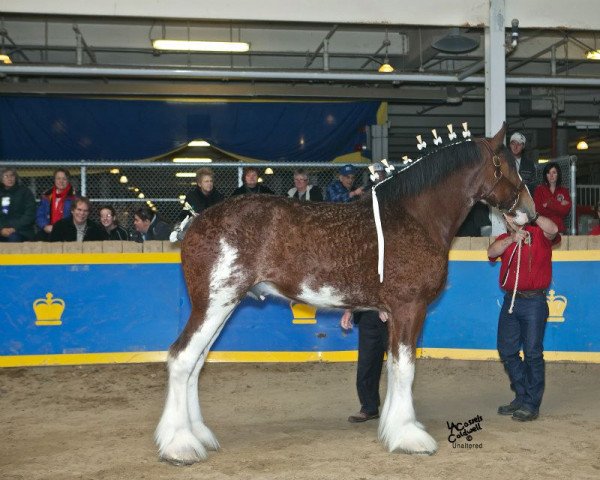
498	139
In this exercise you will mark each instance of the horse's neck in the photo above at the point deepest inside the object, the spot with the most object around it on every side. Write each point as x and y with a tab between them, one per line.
442	209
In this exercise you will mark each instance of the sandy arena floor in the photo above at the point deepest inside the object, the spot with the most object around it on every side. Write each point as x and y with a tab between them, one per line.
288	421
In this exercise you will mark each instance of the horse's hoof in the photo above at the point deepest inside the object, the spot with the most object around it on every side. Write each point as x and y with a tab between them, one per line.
411	438
183	449
177	462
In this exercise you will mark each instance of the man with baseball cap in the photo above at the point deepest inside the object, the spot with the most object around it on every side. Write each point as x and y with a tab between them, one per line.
340	190
525	165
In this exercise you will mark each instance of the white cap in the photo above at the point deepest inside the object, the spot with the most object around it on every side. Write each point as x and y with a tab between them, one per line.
518	137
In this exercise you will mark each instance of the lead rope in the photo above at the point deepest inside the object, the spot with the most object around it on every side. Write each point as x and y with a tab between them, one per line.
380	244
512	301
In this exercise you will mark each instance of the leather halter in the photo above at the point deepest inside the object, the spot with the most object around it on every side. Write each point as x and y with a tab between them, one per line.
498	175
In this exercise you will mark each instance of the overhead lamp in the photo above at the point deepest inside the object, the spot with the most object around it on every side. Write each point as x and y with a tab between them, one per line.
115	170
185	174
582	145
455	42
268	171
123	179
192	160
141	195
198	143
5	59
592	55
260	180
200	46
385	66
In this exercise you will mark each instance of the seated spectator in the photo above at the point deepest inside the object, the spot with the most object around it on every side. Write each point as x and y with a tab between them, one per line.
55	203
18	208
251	184
201	197
596	229
78	227
302	190
108	219
148	226
341	190
552	200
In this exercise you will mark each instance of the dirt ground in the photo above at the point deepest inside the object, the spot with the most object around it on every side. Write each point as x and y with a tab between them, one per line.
288	421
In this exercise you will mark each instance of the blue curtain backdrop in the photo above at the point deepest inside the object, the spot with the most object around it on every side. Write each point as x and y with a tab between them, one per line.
54	128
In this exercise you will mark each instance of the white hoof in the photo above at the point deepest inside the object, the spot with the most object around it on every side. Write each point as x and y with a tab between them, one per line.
205	436
183	449
411	438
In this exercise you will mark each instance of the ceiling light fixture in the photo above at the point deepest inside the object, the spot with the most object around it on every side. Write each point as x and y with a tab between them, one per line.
5	59
592	54
198	143
192	160
123	179
582	145
200	46
185	174
268	171
455	42
385	66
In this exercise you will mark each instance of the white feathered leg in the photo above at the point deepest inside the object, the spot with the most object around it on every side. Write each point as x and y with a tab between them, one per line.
181	435
398	427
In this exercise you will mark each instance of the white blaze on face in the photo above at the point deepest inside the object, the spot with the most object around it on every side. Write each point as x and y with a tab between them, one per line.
325	297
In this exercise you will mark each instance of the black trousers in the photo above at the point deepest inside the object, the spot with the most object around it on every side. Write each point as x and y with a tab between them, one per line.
372	344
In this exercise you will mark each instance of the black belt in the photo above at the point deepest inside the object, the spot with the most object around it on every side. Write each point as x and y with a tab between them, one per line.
529	293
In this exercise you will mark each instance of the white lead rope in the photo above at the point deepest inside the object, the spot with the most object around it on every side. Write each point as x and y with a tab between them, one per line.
380	241
518	248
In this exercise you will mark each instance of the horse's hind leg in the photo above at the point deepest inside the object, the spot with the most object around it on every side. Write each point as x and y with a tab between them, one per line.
399	429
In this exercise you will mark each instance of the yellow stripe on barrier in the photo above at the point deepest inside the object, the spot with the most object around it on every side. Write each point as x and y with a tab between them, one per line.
11	259
271	357
88	258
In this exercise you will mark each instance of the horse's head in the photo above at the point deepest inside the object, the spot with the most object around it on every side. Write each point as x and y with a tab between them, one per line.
503	187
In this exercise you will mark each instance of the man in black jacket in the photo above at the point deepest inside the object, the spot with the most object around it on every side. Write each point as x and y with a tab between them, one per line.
148	226
18	208
78	227
251	183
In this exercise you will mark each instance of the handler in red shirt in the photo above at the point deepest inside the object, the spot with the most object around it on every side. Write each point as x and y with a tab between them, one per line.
523	324
552	199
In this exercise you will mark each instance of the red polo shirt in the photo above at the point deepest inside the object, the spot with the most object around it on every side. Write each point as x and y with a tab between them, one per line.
535	270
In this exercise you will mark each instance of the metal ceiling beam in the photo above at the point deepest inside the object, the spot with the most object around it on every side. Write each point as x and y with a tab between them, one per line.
227	74
226	90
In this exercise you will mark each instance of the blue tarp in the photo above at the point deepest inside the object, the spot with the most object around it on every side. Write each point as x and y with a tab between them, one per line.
54	128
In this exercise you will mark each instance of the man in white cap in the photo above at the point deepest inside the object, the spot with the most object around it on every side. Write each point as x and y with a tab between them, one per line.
525	165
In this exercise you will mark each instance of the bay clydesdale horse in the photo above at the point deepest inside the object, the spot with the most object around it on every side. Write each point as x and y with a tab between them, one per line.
326	255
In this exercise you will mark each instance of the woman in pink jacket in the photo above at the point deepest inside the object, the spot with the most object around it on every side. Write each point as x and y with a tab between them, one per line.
552	200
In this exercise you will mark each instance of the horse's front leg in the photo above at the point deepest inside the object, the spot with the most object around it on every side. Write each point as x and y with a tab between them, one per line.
399	429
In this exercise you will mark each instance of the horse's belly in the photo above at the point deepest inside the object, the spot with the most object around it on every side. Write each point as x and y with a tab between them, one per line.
325	296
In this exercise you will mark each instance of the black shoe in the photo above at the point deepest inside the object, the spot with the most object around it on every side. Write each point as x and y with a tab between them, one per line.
524	415
362	417
509	409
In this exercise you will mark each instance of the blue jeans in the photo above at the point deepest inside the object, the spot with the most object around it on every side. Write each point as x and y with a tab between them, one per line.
524	328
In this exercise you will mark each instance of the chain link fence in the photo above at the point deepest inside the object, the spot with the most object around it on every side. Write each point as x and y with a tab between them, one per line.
127	186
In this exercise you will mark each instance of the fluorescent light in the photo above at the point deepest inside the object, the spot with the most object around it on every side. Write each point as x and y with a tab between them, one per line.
185	174
198	46
192	160
5	59
582	145
199	143
543	160
593	55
